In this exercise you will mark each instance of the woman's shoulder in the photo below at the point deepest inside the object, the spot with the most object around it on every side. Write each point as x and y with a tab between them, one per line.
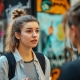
2	57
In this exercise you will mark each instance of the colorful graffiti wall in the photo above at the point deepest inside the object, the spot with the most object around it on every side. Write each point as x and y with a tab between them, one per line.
50	15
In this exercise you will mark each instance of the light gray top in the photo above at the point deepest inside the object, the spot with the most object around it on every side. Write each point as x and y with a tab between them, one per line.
30	70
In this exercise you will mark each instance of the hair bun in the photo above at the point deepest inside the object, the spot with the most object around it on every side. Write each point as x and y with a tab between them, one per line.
17	13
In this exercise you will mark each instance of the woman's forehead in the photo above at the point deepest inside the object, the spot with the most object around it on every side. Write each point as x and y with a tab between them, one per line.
30	25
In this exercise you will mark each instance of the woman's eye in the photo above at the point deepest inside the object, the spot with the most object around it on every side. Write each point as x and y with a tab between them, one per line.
29	31
37	30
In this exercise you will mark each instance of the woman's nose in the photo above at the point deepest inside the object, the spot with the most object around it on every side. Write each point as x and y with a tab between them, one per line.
34	34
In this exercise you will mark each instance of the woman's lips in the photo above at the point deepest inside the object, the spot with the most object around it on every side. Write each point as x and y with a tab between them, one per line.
34	41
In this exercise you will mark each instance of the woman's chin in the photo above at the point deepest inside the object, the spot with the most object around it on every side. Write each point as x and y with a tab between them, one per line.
34	46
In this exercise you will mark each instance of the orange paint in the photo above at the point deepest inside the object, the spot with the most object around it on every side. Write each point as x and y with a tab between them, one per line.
55	73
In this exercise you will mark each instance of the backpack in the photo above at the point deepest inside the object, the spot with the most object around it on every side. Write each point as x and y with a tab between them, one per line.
12	63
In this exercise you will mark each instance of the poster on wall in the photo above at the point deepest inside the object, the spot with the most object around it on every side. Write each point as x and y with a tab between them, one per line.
52	32
50	15
10	5
53	6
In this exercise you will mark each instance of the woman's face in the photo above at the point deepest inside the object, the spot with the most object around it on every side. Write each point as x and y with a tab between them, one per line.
30	34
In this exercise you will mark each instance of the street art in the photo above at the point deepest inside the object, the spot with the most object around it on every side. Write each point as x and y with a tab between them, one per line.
19	4
52	39
55	73
53	6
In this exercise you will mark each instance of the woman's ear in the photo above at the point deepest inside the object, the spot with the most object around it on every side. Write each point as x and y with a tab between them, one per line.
74	29
17	35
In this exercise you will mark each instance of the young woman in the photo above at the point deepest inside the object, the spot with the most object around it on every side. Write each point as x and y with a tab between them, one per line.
71	70
22	36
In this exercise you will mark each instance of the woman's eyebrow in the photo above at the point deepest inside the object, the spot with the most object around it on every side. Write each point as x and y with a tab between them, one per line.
37	28
32	28
28	28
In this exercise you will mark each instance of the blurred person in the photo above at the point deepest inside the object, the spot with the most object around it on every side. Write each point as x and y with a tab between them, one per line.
71	70
68	51
22	36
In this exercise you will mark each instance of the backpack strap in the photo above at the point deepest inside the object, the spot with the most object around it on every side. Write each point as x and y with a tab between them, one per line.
12	64
41	59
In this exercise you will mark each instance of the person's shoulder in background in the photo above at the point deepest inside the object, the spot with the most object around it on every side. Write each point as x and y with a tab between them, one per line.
70	71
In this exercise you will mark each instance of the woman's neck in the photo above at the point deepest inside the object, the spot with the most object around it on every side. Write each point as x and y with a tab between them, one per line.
26	53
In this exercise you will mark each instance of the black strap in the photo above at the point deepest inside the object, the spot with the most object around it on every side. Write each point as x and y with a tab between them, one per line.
41	59
12	64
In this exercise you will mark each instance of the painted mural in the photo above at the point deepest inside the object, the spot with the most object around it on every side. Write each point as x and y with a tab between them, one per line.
50	15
